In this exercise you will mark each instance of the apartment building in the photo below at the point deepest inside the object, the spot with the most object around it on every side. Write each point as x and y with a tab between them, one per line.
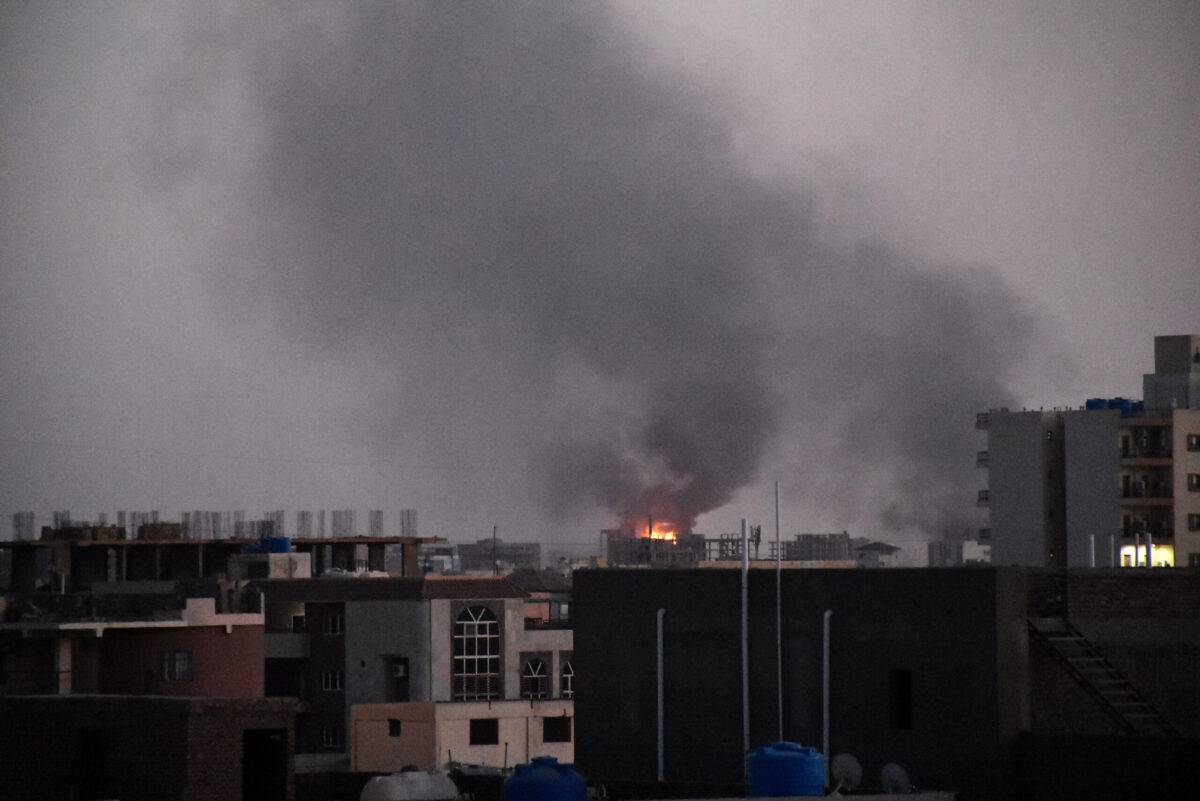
339	643
1114	483
162	639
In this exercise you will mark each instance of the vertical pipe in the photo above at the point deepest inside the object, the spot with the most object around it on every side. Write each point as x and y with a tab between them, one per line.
1092	550
826	625
1149	549
778	614
745	645
1137	547
659	666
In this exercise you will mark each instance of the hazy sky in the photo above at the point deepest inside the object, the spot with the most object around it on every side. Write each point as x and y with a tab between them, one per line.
543	266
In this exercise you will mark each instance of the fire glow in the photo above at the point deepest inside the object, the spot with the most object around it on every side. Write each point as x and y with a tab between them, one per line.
660	531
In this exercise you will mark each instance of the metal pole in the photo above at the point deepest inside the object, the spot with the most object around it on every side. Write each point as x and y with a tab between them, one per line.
661	761
778	614
1149	548
825	690
1092	551
745	645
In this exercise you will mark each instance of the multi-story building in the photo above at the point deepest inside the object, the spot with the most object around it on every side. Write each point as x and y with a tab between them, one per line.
339	643
194	640
1112	483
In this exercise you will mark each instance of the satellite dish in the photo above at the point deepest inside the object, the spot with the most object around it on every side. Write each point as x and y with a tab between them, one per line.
846	772
895	779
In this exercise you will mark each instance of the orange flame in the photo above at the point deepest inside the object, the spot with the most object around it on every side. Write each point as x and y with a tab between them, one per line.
661	531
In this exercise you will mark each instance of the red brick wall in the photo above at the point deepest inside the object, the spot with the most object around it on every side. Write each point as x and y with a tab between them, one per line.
223	665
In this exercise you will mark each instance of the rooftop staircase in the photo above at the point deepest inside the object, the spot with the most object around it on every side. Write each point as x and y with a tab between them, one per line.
1114	693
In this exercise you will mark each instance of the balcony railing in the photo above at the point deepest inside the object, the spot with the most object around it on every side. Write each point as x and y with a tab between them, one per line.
983	499
981	420
981	458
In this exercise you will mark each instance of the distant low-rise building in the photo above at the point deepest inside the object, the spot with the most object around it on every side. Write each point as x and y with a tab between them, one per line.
498	556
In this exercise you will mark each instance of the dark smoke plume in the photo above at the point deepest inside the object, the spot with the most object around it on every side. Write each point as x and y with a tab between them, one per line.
509	208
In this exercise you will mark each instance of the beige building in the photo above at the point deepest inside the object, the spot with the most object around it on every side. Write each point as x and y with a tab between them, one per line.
1105	484
388	737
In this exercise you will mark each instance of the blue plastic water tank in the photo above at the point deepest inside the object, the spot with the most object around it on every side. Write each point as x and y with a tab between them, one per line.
1094	404
785	769
543	779
278	544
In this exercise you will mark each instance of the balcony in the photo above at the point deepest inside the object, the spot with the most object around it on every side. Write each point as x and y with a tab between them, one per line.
981	458
981	420
541	624
984	498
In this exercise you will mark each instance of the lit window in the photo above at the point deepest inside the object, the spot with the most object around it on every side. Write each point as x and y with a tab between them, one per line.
556	730
535	680
476	646
331	680
176	665
485	731
331	736
334	623
568	679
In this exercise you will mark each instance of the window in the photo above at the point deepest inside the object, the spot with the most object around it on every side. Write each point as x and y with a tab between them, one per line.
176	665
1193	482
334	623
393	727
1193	442
1049	435
568	679
1194	522
535	680
297	624
476	654
1194	560
331	680
331	736
556	730
397	678
485	731
900	699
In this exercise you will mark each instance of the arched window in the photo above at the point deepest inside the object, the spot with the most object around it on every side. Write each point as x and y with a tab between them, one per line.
535	680
476	655
568	679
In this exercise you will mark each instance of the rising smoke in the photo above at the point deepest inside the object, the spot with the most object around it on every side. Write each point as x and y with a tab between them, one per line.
514	212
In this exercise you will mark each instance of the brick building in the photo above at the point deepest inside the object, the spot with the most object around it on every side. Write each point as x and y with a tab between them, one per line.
156	642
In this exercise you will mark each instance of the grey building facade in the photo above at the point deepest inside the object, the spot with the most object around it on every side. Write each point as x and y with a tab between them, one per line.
1104	484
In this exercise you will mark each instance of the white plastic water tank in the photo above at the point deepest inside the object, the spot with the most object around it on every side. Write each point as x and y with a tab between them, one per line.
411	786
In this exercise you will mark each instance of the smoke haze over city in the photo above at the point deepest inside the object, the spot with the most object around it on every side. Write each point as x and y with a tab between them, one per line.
552	267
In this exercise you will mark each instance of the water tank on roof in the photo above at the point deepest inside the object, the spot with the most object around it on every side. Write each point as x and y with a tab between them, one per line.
277	544
785	769
416	785
1095	404
543	779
